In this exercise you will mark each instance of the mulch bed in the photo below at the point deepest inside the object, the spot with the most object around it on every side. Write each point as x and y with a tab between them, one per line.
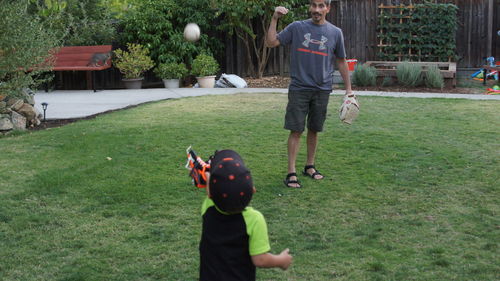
54	123
61	122
282	82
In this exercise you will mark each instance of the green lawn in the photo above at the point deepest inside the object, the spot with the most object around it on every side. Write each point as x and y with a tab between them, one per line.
411	191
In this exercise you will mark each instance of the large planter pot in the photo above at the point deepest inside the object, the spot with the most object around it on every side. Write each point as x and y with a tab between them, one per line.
206	81
133	83
171	83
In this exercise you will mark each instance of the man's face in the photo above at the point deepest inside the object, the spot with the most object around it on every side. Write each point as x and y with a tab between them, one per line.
318	10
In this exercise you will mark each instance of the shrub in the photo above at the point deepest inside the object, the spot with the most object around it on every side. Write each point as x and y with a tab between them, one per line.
433	77
84	22
204	65
118	8
409	74
24	49
159	25
364	75
387	81
134	62
171	70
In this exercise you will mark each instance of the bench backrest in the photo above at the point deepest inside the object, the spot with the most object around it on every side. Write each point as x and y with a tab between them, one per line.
79	57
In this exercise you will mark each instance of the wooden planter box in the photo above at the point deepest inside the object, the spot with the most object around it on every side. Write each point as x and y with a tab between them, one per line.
388	68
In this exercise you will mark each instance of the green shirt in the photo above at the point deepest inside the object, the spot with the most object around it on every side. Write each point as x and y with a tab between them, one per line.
229	240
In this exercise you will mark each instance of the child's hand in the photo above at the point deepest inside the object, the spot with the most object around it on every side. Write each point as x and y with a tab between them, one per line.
286	259
283	260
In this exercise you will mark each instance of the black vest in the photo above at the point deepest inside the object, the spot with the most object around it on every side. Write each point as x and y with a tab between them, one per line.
224	252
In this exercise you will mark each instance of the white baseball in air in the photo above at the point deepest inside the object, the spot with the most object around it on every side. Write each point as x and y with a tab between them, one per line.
192	32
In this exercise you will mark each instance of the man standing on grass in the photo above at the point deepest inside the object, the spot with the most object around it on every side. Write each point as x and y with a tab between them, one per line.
315	45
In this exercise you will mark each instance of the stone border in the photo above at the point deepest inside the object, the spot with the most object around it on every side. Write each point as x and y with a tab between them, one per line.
18	113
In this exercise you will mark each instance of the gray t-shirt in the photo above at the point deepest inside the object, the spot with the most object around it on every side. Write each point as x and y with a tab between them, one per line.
313	51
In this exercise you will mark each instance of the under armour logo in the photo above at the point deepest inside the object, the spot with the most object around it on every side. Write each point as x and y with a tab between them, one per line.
308	40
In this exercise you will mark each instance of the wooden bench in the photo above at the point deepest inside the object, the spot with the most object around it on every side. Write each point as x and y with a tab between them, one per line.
388	68
486	69
83	58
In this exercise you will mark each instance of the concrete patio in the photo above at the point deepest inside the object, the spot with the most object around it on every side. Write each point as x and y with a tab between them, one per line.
79	104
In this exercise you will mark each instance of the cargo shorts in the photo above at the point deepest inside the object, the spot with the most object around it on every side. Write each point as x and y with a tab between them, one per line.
306	104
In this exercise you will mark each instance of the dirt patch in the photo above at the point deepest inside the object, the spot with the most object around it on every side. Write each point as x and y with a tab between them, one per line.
61	122
53	124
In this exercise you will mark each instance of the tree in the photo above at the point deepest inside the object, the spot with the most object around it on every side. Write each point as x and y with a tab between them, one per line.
76	22
159	26
249	21
118	8
25	47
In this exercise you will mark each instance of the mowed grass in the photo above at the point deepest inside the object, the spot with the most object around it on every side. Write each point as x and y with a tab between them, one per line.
411	191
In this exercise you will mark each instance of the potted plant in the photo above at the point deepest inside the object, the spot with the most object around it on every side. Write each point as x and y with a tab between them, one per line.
204	67
171	73
132	64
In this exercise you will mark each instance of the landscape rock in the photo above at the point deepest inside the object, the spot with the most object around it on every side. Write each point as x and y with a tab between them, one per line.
15	104
5	110
6	124
27	111
29	96
18	113
10	101
36	122
18	121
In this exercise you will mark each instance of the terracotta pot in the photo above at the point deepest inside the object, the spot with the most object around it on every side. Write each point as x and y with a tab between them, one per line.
206	81
133	83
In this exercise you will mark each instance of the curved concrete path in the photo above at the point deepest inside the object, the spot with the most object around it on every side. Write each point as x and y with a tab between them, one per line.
78	104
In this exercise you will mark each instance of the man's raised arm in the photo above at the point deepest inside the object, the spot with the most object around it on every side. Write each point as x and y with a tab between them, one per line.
271	38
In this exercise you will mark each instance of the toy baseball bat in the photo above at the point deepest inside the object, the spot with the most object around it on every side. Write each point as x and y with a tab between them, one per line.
197	168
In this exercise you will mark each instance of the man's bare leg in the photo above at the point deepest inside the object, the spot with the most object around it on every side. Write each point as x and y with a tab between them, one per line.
293	149
312	144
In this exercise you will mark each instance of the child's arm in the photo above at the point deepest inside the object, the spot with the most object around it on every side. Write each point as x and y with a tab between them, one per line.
283	260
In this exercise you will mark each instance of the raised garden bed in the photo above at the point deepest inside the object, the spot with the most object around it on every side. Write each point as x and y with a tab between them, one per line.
388	69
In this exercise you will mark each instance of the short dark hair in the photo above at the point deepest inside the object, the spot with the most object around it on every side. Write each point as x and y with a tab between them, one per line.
327	2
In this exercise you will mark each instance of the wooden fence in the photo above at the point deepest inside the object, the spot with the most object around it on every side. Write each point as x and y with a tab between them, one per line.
476	37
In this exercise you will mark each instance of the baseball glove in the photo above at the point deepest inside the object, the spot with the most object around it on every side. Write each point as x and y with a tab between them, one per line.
349	109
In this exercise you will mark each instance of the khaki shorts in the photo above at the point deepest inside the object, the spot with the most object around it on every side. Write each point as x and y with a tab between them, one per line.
310	104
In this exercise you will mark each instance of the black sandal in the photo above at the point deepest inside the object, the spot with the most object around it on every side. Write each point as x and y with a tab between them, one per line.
288	181
313	175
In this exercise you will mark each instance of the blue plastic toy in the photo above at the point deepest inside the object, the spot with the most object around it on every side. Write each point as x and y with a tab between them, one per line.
479	74
491	61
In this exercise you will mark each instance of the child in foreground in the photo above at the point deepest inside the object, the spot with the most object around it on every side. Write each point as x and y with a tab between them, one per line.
234	238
